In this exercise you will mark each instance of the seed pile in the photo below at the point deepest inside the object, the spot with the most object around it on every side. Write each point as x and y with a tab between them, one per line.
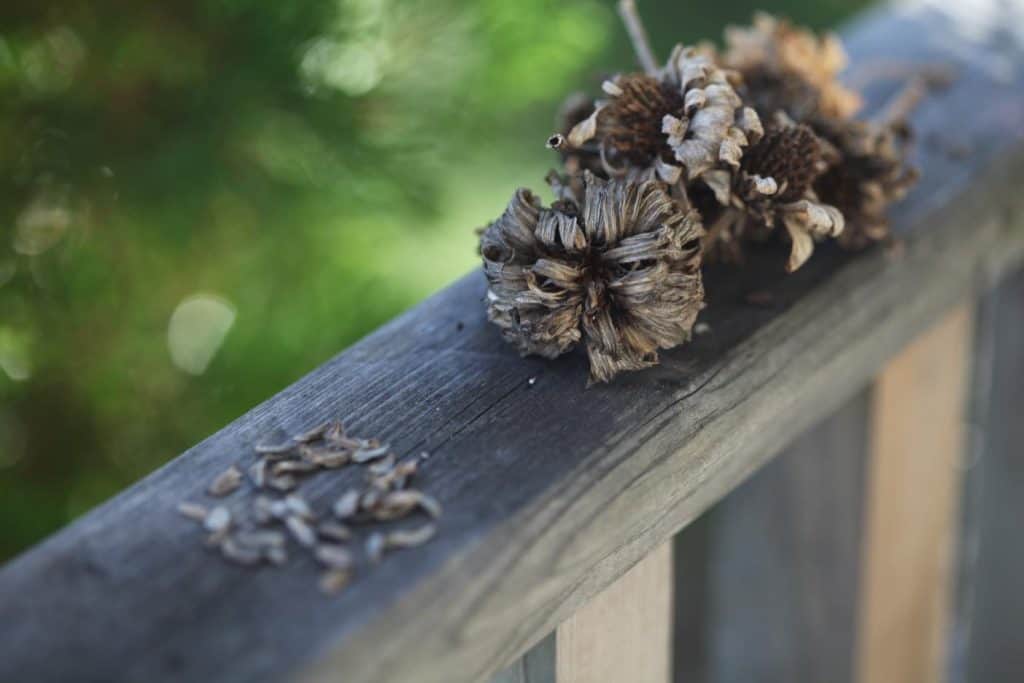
259	529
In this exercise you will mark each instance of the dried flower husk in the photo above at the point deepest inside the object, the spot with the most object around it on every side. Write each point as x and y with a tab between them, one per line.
790	69
616	266
685	118
772	187
872	173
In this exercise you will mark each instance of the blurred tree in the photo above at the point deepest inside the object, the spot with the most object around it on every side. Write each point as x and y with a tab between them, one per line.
202	200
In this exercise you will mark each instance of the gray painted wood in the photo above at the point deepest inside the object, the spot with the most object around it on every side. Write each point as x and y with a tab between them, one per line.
551	490
781	566
988	631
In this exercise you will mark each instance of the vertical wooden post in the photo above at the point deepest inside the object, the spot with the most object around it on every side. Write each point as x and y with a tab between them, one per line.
989	636
625	633
767	580
914	476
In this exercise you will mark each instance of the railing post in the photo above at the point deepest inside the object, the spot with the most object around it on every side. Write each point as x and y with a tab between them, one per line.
625	632
918	441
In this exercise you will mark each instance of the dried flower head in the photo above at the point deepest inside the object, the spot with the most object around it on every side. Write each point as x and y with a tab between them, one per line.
685	116
616	265
788	68
872	173
774	185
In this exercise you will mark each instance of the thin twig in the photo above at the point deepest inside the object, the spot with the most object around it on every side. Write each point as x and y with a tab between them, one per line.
899	107
897	110
637	34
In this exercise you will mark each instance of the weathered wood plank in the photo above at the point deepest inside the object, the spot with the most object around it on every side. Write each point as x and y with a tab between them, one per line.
624	633
988	638
781	568
917	447
551	491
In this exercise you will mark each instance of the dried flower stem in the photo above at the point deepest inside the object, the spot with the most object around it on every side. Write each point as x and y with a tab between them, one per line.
638	35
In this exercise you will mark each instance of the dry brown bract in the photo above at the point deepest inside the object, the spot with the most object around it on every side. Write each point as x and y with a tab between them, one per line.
873	172
773	186
787	68
687	116
618	268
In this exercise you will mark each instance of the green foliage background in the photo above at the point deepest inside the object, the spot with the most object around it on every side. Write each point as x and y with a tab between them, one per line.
319	166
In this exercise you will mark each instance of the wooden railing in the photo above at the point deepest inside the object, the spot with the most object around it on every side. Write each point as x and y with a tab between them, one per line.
564	505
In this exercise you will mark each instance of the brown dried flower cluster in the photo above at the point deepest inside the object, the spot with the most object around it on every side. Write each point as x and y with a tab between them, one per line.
756	141
616	266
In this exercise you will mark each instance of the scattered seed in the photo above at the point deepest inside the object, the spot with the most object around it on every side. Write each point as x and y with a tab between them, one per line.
370	499
302	532
278	509
333	581
226	482
334	531
334	556
333	459
285	482
262	509
217	519
297	505
409	538
275	555
260	539
239	553
193	511
258	473
313	434
285	467
384	465
335	431
531	381
347	505
430	505
395	505
366	455
701	328
275	448
375	546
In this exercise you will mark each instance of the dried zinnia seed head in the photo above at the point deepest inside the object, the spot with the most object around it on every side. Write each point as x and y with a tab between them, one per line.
685	117
788	68
617	267
873	172
774	186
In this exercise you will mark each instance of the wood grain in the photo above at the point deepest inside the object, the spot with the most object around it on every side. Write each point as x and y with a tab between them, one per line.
779	581
624	633
918	440
551	490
